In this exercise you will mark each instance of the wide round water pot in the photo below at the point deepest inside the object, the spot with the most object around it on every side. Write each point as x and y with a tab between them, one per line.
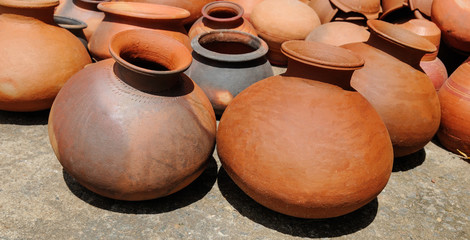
305	143
134	127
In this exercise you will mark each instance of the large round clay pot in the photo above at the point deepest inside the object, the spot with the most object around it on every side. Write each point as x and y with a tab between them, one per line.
396	86
338	33
221	15
452	17
225	62
454	95
120	16
369	8
83	10
37	56
304	143
277	21
134	127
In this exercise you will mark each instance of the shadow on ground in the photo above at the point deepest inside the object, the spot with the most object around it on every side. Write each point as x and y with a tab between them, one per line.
188	195
408	162
24	118
438	143
299	227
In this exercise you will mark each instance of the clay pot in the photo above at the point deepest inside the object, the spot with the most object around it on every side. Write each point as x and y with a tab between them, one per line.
277	21
120	16
369	8
338	33
454	96
324	9
390	6
452	17
226	62
221	15
74	26
134	127
423	6
37	56
247	6
396	86
337	164
83	10
436	71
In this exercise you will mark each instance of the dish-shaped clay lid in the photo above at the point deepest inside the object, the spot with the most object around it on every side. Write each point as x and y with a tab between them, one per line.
144	10
369	8
29	3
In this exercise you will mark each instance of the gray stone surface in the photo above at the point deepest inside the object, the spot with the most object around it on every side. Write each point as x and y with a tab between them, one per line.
427	197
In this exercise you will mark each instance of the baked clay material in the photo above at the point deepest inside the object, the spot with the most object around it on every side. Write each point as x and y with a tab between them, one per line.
74	26
134	127
369	8
337	164
423	6
247	6
225	62
37	56
389	6
324	9
396	86
338	33
120	16
221	15
436	71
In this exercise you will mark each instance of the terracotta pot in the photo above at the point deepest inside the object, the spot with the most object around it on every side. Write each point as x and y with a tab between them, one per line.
338	33
226	62
324	9
424	6
134	127
369	8
83	10
389	6
396	86
247	6
221	15
337	164
436	71
37	56
74	26
120	16
454	96
277	21
452	17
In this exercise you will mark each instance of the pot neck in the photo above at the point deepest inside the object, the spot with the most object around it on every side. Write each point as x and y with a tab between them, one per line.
222	15
44	14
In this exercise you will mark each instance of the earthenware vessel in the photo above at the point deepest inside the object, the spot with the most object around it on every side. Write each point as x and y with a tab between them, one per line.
134	127
37	56
74	26
423	6
338	33
337	164
394	83
324	9
120	16
247	6
221	15
369	8
389	6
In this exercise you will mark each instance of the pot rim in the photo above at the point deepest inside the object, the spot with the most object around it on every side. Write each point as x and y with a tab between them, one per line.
222	4
69	23
144	10
29	3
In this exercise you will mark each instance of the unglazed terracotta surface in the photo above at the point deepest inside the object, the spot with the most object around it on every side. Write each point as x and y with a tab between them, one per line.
339	162
247	6
389	6
338	33
324	9
424	6
134	127
369	8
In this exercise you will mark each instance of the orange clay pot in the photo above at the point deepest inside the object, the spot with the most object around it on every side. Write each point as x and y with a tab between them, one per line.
337	164
396	86
120	16
134	127
338	33
37	56
247	6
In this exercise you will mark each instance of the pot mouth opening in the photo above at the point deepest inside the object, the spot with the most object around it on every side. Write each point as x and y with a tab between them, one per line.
222	11
144	10
29	3
69	23
321	55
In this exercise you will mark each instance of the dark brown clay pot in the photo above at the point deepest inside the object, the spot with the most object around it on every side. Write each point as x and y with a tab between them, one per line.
454	95
225	62
134	127
120	16
37	56
221	15
338	33
396	86
304	143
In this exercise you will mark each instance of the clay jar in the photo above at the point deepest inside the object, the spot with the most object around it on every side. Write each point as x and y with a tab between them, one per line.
226	62
83	10
452	17
221	15
454	97
277	21
338	33
304	143
134	127
37	56
120	16
396	86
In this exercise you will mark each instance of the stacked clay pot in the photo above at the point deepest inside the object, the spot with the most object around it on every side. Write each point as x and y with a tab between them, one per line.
37	56
305	143
134	127
394	83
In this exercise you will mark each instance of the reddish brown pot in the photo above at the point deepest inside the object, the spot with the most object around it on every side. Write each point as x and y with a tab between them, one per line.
120	16
423	6
37	56
396	86
134	127
337	164
221	15
338	33
454	95
83	10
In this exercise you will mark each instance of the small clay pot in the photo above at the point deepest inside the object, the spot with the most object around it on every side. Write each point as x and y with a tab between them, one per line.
221	15
369	8
338	33
324	9
74	26
226	62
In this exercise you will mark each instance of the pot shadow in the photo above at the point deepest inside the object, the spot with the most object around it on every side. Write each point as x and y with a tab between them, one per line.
186	196
299	227
408	162
438	143
24	118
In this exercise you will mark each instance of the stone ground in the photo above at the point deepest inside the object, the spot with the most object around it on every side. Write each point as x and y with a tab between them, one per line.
427	197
